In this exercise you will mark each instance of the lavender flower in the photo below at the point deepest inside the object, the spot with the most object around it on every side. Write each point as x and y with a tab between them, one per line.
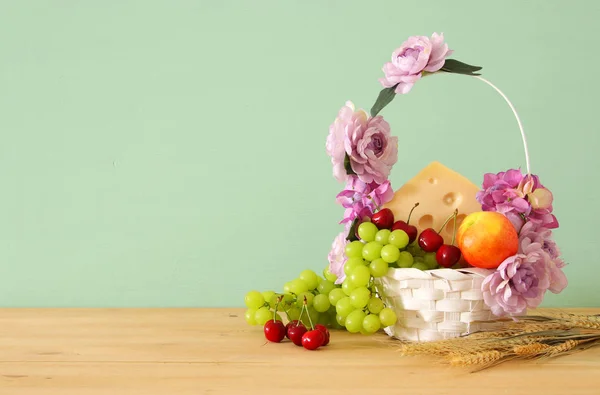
520	198
361	199
520	282
532	233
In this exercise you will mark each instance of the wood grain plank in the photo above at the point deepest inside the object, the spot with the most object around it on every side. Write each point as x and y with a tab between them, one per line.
205	351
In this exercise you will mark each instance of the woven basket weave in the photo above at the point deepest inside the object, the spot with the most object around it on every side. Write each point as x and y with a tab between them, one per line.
444	303
434	304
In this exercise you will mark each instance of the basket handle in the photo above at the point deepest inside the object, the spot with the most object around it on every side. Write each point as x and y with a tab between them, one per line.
516	116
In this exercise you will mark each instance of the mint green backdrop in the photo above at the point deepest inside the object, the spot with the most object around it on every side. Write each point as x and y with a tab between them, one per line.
171	153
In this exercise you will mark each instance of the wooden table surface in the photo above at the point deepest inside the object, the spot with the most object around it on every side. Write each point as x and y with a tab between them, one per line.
210	351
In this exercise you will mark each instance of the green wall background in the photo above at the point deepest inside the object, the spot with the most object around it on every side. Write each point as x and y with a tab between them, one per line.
171	153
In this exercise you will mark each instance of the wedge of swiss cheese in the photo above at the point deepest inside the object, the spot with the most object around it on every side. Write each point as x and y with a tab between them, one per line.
438	190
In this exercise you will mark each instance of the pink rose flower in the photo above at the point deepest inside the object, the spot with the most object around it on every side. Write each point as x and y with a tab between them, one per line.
372	150
416	55
520	282
337	257
346	122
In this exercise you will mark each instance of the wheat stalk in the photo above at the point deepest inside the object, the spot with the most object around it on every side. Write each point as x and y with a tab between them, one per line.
529	337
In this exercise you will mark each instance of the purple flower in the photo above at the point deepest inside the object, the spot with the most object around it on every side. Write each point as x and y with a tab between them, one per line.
337	257
519	282
361	200
416	55
346	122
371	149
520	198
532	233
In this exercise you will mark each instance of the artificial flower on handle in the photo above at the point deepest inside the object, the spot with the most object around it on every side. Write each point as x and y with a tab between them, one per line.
416	57
521	198
361	145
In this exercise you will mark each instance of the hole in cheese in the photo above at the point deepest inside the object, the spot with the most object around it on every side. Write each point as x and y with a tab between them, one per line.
426	221
452	198
432	180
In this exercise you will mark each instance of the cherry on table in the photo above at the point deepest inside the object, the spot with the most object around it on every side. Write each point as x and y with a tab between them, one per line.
295	334
312	340
274	331
325	333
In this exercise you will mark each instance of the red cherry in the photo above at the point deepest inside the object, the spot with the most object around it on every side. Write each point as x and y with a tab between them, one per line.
274	331
312	340
430	240
295	334
410	230
447	255
383	219
290	324
325	333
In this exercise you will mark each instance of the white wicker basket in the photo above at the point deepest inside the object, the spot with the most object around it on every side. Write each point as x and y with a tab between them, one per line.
444	303
434	304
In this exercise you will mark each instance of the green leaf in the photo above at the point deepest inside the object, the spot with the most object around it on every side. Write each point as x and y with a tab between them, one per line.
348	166
385	97
454	66
352	232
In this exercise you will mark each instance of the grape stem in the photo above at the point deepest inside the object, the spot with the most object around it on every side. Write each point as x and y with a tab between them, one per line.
448	220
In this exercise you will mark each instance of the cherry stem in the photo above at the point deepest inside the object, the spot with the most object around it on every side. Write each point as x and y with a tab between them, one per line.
454	230
312	327
299	320
448	220
411	211
279	299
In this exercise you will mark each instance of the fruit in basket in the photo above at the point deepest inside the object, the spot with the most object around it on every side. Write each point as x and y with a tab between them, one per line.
383	236
372	251
486	238
410	230
383	219
399	238
448	254
439	190
430	240
367	231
